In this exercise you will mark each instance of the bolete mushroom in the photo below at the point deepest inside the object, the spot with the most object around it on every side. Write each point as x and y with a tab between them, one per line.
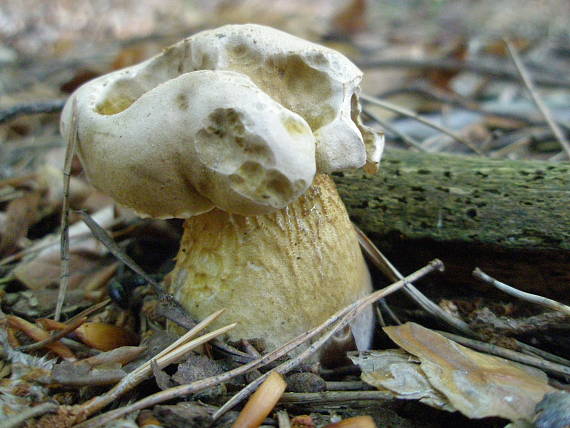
235	129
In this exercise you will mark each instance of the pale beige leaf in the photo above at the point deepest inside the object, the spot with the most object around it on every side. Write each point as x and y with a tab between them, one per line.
477	384
399	373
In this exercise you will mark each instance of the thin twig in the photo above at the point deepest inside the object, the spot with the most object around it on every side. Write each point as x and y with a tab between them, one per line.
175	312
382	263
333	397
54	337
496	70
31	108
434	94
355	385
26	415
405	112
90	310
202	384
71	140
525	77
509	354
384	305
533	351
163	358
393	130
533	298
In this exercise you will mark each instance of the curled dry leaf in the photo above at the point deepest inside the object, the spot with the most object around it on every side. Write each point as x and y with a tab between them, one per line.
476	384
147	420
39	334
105	337
399	373
261	402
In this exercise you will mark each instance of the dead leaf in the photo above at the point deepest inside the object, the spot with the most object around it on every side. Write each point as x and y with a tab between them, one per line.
478	385
183	415
352	18
39	334
20	215
399	373
44	269
105	337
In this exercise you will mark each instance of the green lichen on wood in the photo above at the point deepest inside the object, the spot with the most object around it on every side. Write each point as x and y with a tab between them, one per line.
512	204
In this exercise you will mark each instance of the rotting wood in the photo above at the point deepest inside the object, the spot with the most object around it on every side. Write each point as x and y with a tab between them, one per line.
508	217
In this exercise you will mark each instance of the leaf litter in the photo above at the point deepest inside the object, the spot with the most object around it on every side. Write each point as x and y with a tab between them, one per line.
463	82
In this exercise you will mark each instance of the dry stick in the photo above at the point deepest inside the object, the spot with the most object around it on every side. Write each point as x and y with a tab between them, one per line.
496	70
533	298
176	313
26	415
294	362
441	97
382	263
54	337
71	139
368	248
400	110
523	73
31	108
509	354
406	138
532	351
349	385
333	397
172	353
202	384
91	309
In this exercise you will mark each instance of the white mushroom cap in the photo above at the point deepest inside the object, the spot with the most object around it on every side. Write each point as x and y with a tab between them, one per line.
201	140
169	139
316	82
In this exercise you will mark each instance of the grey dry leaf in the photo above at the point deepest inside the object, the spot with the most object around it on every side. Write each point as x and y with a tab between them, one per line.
553	411
476	384
399	373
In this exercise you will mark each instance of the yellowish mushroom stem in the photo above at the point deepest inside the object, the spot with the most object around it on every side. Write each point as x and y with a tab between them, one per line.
277	275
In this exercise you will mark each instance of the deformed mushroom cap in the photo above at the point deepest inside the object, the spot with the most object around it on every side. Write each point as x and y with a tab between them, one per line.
200	140
240	118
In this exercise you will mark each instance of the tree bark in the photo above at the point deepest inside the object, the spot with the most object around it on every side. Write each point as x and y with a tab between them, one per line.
508	217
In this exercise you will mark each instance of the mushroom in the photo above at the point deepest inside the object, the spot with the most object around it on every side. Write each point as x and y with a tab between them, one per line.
235	129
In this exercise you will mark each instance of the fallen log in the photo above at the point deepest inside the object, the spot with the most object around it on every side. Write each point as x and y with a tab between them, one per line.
511	218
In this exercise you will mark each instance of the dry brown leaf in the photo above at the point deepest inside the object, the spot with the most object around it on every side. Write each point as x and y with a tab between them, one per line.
44	270
20	215
477	384
399	373
105	337
351	19
39	334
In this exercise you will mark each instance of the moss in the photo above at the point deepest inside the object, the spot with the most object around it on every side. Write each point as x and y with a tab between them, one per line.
514	204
